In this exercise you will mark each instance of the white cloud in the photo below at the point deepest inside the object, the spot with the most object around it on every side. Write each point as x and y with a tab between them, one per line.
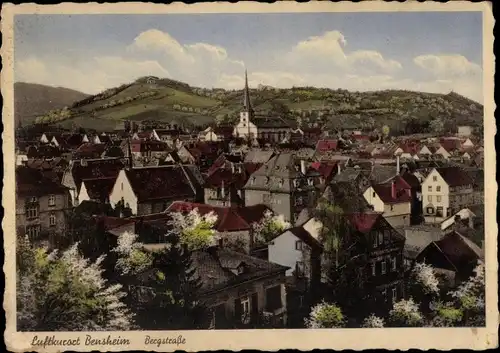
451	65
325	54
321	61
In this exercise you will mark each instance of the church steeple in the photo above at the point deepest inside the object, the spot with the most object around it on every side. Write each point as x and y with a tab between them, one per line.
247	104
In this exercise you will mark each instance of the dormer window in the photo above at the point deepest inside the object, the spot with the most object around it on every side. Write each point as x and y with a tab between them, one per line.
310	181
252	181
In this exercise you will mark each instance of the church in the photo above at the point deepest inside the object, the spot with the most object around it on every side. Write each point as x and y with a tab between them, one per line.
252	126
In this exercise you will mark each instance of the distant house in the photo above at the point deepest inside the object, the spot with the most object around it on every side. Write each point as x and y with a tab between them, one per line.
445	191
392	199
283	184
465	131
152	189
453	256
41	204
327	146
297	249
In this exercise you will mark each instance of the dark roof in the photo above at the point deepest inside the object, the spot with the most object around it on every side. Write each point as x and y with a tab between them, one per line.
95	169
32	182
226	177
458	249
156	183
217	267
99	189
253	213
411	179
455	176
305	236
396	191
89	150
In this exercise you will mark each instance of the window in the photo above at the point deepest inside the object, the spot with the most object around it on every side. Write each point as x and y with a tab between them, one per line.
392	207
429	198
52	200
299	269
273	298
33	199
429	188
438	198
438	188
394	294
393	264
434	178
310	181
380	237
298	201
383	269
384	294
245	312
280	183
122	186
375	240
439	211
298	245
430	210
33	231
374	271
374	194
252	181
52	220
31	211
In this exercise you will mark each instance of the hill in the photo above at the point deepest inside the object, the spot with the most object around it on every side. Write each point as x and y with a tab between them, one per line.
32	100
166	100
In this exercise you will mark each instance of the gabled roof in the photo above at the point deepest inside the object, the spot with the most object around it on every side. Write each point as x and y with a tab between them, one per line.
325	169
89	150
454	176
458	249
384	191
363	222
156	183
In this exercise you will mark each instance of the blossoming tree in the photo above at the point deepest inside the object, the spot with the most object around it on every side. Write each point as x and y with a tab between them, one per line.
195	231
325	315
269	227
66	292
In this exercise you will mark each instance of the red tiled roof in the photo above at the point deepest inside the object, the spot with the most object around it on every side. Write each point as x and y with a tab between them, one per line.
327	145
228	219
384	191
327	170
363	222
153	183
450	144
455	176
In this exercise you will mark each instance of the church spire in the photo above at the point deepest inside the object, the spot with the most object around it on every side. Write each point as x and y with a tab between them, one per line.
246	96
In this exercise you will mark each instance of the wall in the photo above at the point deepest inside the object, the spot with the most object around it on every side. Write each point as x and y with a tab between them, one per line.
443	194
245	126
123	189
372	198
44	212
83	195
244	290
282	251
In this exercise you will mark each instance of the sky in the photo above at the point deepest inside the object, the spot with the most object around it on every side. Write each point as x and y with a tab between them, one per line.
425	51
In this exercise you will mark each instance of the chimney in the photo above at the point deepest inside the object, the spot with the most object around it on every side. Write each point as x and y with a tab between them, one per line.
303	166
393	189
397	164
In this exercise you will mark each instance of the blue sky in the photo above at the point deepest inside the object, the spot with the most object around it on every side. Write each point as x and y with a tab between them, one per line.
431	51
